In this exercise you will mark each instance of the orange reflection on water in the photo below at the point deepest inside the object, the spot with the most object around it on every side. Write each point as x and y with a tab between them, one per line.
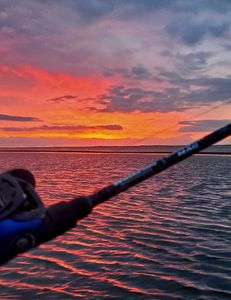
28	286
61	263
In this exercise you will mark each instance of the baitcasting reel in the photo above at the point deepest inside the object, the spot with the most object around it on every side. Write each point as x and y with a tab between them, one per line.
24	221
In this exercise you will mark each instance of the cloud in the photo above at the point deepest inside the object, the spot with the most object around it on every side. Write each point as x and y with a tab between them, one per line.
202	125
4	117
62	98
194	7
198	90
219	6
138	72
193	62
83	37
227	47
91	10
192	32
211	90
122	99
59	128
183	94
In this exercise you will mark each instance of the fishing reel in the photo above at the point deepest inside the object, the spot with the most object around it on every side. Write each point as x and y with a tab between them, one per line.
24	220
21	212
18	200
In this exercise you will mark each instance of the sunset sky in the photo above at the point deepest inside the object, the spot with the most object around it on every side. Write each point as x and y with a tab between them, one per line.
113	72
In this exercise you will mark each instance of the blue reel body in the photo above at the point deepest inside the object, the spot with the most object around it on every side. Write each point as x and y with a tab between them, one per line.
25	222
21	213
17	236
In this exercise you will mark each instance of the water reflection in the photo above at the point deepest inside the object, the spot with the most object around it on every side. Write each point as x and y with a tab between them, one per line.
167	238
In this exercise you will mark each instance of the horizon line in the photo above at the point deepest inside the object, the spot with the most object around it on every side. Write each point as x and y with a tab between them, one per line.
108	149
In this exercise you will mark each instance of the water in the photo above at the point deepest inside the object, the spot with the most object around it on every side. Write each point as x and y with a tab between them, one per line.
167	238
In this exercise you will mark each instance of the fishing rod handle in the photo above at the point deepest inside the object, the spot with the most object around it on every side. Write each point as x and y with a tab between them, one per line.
18	236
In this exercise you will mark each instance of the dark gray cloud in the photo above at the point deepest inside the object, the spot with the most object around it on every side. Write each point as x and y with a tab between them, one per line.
193	62
62	98
4	117
202	125
220	6
198	90
92	10
189	34
117	71
191	31
78	128
212	90
140	72
137	72
184	94
190	64
137	99
227	47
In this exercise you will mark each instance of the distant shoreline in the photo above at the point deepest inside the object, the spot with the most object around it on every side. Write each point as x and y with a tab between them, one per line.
161	149
113	152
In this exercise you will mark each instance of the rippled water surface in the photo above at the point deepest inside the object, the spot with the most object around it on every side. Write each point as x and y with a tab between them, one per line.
167	238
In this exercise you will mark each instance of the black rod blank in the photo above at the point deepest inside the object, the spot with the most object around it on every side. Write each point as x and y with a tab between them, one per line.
160	165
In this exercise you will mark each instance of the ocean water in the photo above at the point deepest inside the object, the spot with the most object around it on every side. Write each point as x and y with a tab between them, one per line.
167	238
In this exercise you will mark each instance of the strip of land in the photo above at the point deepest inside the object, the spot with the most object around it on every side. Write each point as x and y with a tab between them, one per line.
216	149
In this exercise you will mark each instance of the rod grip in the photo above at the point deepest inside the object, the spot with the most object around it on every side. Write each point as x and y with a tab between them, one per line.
62	216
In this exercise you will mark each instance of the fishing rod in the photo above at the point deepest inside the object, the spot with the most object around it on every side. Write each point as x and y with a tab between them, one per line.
25	223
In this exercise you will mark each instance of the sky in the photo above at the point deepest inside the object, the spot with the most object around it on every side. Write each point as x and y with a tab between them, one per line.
113	72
